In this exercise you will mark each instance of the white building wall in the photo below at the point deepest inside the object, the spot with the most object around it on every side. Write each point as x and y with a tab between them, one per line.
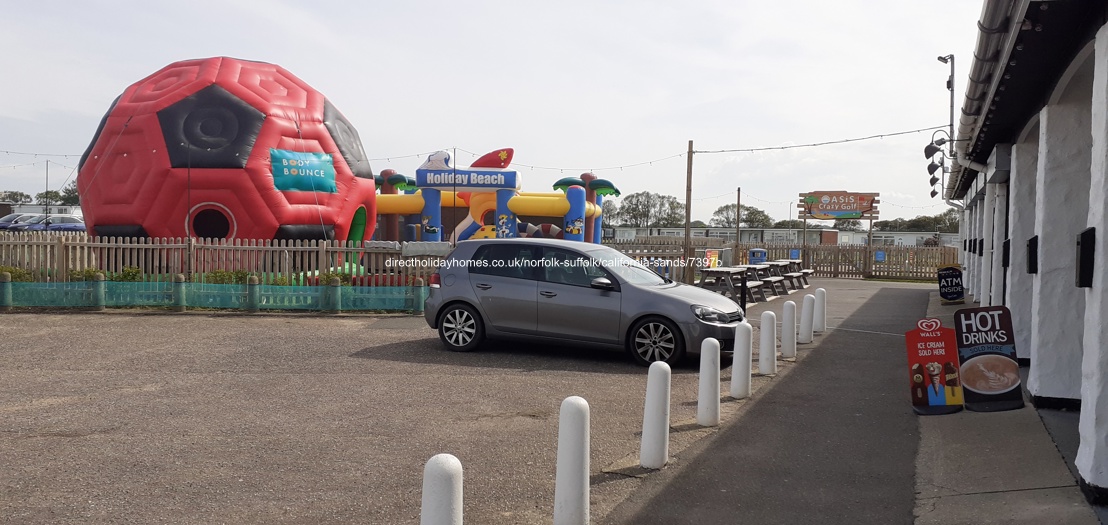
1025	162
1061	209
996	293
1092	453
989	209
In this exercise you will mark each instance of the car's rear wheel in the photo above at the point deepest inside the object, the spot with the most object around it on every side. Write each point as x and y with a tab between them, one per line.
460	328
655	339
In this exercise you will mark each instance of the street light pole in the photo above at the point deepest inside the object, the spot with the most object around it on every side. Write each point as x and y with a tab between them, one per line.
950	86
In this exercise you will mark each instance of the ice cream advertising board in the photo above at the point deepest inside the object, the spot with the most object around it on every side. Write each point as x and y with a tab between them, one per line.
933	368
987	353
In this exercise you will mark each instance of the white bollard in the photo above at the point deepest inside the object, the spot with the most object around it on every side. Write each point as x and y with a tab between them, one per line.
819	321
571	479
442	491
707	406
767	349
654	449
807	320
740	371
788	330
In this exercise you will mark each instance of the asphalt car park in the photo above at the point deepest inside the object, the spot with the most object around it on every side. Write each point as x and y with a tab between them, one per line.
208	418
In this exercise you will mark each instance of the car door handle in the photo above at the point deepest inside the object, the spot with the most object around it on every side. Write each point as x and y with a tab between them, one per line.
548	294
483	286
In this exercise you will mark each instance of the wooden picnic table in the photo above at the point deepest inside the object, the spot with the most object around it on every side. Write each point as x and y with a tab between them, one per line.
795	273
728	280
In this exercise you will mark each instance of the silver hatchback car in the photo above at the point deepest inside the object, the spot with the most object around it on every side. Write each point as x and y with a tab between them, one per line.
565	291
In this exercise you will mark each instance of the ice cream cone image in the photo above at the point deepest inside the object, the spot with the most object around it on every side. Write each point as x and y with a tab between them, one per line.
935	373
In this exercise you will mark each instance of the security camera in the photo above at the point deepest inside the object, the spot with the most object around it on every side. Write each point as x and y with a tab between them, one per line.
944	59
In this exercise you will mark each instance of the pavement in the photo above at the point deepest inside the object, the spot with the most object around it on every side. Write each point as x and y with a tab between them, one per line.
834	440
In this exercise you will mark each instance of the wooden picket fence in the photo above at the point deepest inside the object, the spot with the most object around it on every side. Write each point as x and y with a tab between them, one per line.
67	257
50	257
851	261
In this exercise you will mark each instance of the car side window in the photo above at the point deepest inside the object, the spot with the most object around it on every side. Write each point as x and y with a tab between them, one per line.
562	266
504	260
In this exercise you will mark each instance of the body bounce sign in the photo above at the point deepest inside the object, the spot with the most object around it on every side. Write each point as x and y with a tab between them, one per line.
933	369
987	351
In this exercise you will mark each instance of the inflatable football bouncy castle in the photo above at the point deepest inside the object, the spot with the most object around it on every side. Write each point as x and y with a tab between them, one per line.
226	148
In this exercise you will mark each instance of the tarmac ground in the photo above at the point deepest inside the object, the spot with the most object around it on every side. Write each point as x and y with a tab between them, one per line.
146	417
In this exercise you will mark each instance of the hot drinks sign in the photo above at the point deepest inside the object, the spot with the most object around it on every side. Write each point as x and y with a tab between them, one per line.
987	353
933	373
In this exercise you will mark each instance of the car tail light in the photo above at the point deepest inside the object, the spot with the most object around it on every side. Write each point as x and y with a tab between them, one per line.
435	281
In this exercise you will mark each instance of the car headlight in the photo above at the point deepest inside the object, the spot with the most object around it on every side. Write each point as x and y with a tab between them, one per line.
709	314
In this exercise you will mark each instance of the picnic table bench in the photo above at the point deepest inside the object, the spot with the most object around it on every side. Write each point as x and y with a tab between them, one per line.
796	273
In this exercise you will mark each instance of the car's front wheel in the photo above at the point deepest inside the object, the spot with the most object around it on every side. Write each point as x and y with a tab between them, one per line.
655	339
460	328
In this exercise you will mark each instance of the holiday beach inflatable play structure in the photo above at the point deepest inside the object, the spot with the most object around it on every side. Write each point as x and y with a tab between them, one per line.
489	193
227	148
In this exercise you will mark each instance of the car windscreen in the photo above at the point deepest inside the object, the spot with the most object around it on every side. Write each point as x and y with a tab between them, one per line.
10	217
34	220
626	268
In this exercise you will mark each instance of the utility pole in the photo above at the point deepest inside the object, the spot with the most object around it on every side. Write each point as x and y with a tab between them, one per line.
689	253
738	219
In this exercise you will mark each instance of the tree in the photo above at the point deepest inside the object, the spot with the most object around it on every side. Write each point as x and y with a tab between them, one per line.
48	197
948	220
17	197
70	196
698	224
795	224
756	218
724	217
610	214
650	210
848	225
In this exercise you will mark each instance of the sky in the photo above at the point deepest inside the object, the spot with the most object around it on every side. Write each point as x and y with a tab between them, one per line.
618	88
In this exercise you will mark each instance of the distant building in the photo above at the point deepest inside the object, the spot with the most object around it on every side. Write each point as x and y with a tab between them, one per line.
826	236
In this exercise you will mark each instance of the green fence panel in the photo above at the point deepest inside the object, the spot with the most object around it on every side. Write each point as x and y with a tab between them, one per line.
129	294
60	295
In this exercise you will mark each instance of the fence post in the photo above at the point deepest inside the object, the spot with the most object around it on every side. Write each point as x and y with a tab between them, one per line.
788	330
707	406
654	448
253	294
807	320
442	491
99	292
333	295
179	299
571	477
740	370
5	292
419	295
819	319
767	349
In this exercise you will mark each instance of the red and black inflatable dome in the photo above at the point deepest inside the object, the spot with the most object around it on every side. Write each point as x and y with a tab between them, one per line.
226	148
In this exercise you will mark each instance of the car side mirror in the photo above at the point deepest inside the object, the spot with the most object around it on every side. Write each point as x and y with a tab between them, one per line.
602	283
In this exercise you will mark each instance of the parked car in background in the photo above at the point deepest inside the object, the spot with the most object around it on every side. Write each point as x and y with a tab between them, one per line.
14	218
51	223
576	292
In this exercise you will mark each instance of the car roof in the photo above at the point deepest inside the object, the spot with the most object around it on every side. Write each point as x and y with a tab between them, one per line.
535	241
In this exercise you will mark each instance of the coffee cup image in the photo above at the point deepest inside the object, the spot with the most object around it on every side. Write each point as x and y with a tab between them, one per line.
990	374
